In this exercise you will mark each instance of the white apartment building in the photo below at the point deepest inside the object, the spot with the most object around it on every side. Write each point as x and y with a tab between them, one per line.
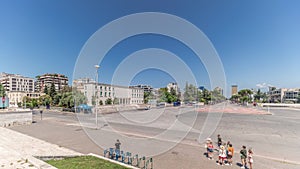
16	87
174	86
118	94
14	82
276	95
291	95
282	95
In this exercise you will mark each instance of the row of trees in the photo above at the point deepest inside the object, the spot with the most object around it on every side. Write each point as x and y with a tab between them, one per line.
192	94
67	97
168	96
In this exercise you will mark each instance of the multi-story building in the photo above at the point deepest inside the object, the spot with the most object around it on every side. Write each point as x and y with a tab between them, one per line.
146	88
276	95
14	82
234	90
174	86
219	90
59	81
291	95
16	87
118	94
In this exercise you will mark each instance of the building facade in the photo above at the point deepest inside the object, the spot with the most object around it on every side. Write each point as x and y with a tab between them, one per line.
234	90
14	82
59	81
174	86
102	92
291	95
16	97
276	95
146	88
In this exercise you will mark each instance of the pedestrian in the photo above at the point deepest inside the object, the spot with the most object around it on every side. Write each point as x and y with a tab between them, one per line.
210	150
250	158
219	140
243	154
206	146
230	151
118	144
222	155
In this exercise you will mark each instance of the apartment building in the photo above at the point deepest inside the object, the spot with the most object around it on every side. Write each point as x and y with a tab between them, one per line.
276	95
15	82
59	81
174	86
291	95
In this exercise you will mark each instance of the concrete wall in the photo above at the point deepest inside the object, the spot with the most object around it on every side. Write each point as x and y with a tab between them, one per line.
279	105
15	118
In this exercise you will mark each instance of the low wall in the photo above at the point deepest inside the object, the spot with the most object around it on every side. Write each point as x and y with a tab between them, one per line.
11	118
280	105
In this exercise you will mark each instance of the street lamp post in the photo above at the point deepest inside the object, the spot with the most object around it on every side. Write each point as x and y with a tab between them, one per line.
96	95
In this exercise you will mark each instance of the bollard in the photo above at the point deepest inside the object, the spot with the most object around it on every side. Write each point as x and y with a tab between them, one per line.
41	112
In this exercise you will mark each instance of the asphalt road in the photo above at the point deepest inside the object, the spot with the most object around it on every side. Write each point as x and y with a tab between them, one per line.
163	133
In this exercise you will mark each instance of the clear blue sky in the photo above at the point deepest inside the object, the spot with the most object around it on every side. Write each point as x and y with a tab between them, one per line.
257	41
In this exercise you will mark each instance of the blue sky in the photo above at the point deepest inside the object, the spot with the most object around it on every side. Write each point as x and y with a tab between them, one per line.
257	41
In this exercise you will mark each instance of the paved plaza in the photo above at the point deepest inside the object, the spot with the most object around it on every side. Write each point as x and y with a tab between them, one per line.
273	135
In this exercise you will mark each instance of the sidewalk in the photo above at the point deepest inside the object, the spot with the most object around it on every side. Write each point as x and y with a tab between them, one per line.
18	150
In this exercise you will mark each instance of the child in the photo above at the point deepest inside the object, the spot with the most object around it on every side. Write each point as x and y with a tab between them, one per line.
243	154
250	159
222	155
210	150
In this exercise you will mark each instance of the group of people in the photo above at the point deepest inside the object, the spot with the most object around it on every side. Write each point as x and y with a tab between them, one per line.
226	152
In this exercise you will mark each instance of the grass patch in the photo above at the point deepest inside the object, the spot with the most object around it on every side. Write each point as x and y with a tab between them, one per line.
84	162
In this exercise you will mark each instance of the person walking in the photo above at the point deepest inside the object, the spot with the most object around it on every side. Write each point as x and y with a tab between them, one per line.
230	151
250	158
243	154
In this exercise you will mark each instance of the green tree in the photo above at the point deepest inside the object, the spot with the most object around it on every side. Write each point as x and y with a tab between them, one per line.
72	99
245	95
46	89
52	91
2	91
115	101
148	96
257	96
108	101
190	93
45	100
166	96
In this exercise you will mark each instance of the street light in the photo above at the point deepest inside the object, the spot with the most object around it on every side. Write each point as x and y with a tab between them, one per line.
96	95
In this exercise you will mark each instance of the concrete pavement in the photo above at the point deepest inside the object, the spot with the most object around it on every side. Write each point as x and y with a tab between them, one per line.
254	130
18	150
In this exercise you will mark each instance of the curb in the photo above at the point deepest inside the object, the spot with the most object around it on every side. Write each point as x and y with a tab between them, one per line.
113	161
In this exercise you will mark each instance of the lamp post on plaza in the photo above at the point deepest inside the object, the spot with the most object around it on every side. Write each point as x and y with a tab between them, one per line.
96	95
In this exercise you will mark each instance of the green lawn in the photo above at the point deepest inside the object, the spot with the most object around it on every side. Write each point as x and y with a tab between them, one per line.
84	162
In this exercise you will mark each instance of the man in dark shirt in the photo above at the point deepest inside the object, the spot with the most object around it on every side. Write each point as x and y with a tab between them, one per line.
118	144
